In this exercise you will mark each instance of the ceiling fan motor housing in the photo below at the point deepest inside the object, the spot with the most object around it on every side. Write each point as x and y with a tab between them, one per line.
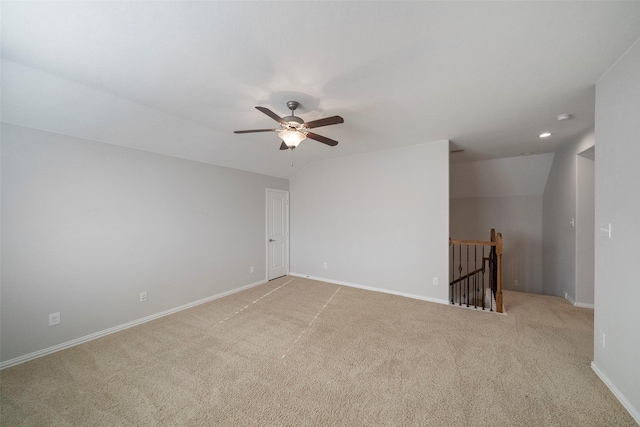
294	121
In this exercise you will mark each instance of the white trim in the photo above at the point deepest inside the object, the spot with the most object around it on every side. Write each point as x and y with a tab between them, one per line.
568	298
577	304
369	288
266	230
623	400
584	305
90	337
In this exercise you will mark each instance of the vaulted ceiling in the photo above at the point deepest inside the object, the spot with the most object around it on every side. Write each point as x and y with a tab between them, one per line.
179	77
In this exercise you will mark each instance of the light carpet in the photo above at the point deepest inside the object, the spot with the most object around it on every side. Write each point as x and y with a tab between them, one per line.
297	352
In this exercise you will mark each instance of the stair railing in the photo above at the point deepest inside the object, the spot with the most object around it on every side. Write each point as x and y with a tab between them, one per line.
476	273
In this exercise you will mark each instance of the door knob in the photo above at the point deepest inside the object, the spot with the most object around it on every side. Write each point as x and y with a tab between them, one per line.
271	240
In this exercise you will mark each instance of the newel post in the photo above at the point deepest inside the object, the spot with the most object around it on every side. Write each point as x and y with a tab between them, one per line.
499	284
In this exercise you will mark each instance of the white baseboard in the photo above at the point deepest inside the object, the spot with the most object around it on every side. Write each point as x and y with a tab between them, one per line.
568	298
369	288
577	304
623	400
77	341
584	305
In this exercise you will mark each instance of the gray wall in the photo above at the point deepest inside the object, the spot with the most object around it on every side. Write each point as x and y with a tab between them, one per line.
87	226
519	219
378	220
559	207
505	194
617	286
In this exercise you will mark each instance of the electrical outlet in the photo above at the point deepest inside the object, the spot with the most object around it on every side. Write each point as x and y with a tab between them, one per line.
252	269
143	296
516	283
54	319
435	281
325	265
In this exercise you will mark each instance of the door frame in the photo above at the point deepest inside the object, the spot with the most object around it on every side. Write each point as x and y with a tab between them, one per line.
584	235
266	228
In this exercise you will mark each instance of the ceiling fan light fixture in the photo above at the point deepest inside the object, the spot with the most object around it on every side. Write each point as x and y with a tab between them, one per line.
292	137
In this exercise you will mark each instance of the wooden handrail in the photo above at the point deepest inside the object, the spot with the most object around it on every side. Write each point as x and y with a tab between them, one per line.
497	248
470	242
460	279
479	270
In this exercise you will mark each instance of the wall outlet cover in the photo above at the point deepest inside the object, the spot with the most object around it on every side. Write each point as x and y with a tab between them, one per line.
54	319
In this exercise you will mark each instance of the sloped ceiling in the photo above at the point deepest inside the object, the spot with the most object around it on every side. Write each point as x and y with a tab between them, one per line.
514	176
179	77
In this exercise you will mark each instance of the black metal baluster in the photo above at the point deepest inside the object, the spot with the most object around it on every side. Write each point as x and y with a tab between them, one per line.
491	267
467	276
475	276
483	279
460	274
453	270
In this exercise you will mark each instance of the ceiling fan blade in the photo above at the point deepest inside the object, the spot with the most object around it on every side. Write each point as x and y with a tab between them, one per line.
273	115
283	146
333	120
256	130
322	139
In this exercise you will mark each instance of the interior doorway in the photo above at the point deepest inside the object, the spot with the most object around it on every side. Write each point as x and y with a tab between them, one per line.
585	228
277	207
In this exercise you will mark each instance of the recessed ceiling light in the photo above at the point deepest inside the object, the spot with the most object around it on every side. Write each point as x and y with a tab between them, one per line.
564	116
545	135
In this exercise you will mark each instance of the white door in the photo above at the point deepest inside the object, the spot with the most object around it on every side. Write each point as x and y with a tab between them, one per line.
277	233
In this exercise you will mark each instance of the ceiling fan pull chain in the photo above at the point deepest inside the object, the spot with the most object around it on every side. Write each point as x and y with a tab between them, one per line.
292	157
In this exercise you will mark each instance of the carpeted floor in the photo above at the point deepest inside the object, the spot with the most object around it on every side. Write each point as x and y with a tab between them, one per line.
296	352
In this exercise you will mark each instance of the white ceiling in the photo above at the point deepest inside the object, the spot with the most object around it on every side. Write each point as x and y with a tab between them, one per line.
179	77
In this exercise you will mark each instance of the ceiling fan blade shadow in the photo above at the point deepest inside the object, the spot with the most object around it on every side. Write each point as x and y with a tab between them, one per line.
273	115
283	146
333	120
322	139
256	130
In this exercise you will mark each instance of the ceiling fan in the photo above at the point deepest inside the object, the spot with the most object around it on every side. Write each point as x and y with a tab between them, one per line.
293	130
